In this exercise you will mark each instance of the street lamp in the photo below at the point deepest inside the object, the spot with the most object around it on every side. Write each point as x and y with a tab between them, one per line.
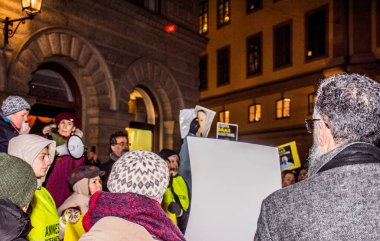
31	7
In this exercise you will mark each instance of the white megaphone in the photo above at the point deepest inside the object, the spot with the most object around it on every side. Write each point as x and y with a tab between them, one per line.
74	147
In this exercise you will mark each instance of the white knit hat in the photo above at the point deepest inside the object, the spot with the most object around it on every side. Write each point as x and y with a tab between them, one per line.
140	172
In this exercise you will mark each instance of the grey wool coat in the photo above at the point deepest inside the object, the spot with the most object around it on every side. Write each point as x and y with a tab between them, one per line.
341	203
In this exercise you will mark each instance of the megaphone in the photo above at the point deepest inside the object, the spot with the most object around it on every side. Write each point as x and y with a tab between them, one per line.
74	147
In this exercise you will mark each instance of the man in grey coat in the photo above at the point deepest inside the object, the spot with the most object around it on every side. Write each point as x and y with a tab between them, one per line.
340	199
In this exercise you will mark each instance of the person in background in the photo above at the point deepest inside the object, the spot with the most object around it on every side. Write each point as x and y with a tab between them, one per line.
17	186
339	200
91	158
137	183
56	182
176	200
119	145
13	118
39	153
288	178
84	181
302	174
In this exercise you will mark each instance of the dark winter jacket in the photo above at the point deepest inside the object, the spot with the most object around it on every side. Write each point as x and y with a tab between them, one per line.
107	168
14	223
338	201
7	132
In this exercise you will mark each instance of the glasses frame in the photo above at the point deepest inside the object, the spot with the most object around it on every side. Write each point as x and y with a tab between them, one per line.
309	124
123	144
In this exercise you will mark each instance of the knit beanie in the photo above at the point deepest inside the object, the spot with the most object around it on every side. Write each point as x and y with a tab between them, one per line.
166	153
67	116
88	171
141	172
13	104
17	180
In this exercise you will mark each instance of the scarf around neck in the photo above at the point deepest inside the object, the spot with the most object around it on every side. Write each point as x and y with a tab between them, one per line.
135	208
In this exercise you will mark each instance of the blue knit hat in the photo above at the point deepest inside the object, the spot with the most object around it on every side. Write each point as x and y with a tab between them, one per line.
14	104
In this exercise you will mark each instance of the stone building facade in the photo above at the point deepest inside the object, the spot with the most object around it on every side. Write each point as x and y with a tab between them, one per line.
105	50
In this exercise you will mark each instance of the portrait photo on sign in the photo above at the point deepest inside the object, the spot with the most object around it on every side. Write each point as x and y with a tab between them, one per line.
289	158
202	116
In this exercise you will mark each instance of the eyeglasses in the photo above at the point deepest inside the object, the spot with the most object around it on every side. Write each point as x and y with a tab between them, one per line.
123	144
309	124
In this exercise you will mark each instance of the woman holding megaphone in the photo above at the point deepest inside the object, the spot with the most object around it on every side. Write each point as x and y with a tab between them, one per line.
66	126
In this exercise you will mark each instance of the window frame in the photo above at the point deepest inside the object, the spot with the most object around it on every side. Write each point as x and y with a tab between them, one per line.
219	83
326	42
255	112
249	11
283	108
275	28
259	36
222	3
202	16
223	114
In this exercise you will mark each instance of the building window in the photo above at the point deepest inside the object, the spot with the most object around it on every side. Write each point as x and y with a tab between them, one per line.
203	73
254	54
151	5
282	45
224	12
311	103
316	33
203	16
253	5
224	116
283	108
223	62
254	113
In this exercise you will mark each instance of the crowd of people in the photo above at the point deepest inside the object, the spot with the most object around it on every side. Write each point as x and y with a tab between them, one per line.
47	194
289	177
52	195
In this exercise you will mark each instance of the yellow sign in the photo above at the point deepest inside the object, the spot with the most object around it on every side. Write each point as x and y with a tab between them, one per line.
289	158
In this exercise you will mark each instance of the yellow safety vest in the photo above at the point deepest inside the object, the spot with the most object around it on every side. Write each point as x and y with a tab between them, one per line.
180	188
44	217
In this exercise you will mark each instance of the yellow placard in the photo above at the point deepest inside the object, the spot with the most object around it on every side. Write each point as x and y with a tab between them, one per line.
289	158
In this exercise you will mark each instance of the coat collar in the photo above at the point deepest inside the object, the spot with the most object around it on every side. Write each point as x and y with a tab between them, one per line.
350	153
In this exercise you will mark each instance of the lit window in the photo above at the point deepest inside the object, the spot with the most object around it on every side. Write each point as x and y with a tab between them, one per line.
203	16
283	108
224	12
254	113
311	103
224	116
316	33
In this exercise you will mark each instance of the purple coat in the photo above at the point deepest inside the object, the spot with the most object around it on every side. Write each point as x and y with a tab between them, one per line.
56	182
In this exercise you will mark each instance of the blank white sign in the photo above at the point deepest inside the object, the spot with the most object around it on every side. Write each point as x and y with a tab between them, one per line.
229	181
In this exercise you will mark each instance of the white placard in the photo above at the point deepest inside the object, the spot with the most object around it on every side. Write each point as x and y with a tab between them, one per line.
229	182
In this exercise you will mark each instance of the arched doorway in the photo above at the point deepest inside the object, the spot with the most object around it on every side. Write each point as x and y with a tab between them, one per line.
56	91
144	129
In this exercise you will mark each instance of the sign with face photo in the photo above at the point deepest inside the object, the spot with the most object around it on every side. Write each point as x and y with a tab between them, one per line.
289	158
202	115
